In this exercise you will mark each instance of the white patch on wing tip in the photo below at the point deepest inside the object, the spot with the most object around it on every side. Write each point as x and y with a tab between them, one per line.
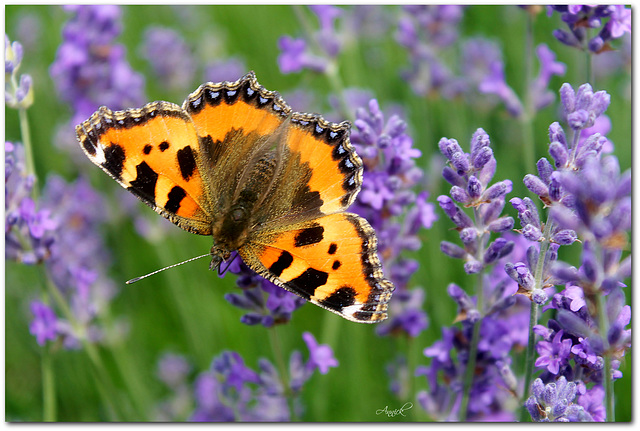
99	157
351	309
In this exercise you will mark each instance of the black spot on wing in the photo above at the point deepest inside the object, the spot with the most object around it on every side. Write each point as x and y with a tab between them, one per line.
186	161
176	195
308	236
144	185
284	261
114	159
336	264
307	282
305	198
343	297
163	146
333	248
211	151
147	149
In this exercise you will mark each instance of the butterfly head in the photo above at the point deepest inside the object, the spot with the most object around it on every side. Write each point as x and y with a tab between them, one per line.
218	255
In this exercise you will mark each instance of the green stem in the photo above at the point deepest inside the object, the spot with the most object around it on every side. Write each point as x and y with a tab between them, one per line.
100	373
282	370
588	69
475	337
603	319
332	68
26	141
529	360
412	355
471	365
533	319
48	387
338	88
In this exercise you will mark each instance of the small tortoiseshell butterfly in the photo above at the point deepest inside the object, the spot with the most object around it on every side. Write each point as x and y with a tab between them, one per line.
235	162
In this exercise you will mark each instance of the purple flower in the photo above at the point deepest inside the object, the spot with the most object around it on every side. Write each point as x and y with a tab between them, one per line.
170	57
553	353
18	91
234	372
495	83
554	402
90	69
44	323
593	402
573	326
209	407
620	21
173	369
78	262
295	56
267	303
579	18
29	232
13	53
386	199
602	201
38	222
320	355
326	36
445	373
470	174
426	31
478	55
581	109
231	391
406	314
541	95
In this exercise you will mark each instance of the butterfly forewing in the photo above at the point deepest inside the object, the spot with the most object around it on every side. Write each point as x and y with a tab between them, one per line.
152	152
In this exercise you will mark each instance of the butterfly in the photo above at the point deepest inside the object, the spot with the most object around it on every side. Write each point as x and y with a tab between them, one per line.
235	162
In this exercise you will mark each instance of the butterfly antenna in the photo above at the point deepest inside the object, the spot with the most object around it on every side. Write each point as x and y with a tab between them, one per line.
133	280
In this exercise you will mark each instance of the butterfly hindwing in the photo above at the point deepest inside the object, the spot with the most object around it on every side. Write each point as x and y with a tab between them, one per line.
153	153
331	261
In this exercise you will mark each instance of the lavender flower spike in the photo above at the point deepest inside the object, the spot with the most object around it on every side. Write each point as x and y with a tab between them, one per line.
18	91
554	402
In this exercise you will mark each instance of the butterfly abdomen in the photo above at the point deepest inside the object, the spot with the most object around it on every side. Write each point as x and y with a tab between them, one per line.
260	179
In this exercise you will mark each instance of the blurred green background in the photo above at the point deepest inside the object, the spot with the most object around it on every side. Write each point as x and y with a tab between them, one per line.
183	310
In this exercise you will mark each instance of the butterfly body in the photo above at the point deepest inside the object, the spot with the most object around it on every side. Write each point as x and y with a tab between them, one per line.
235	162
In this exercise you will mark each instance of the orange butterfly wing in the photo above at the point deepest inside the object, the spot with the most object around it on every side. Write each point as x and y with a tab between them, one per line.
153	153
330	261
